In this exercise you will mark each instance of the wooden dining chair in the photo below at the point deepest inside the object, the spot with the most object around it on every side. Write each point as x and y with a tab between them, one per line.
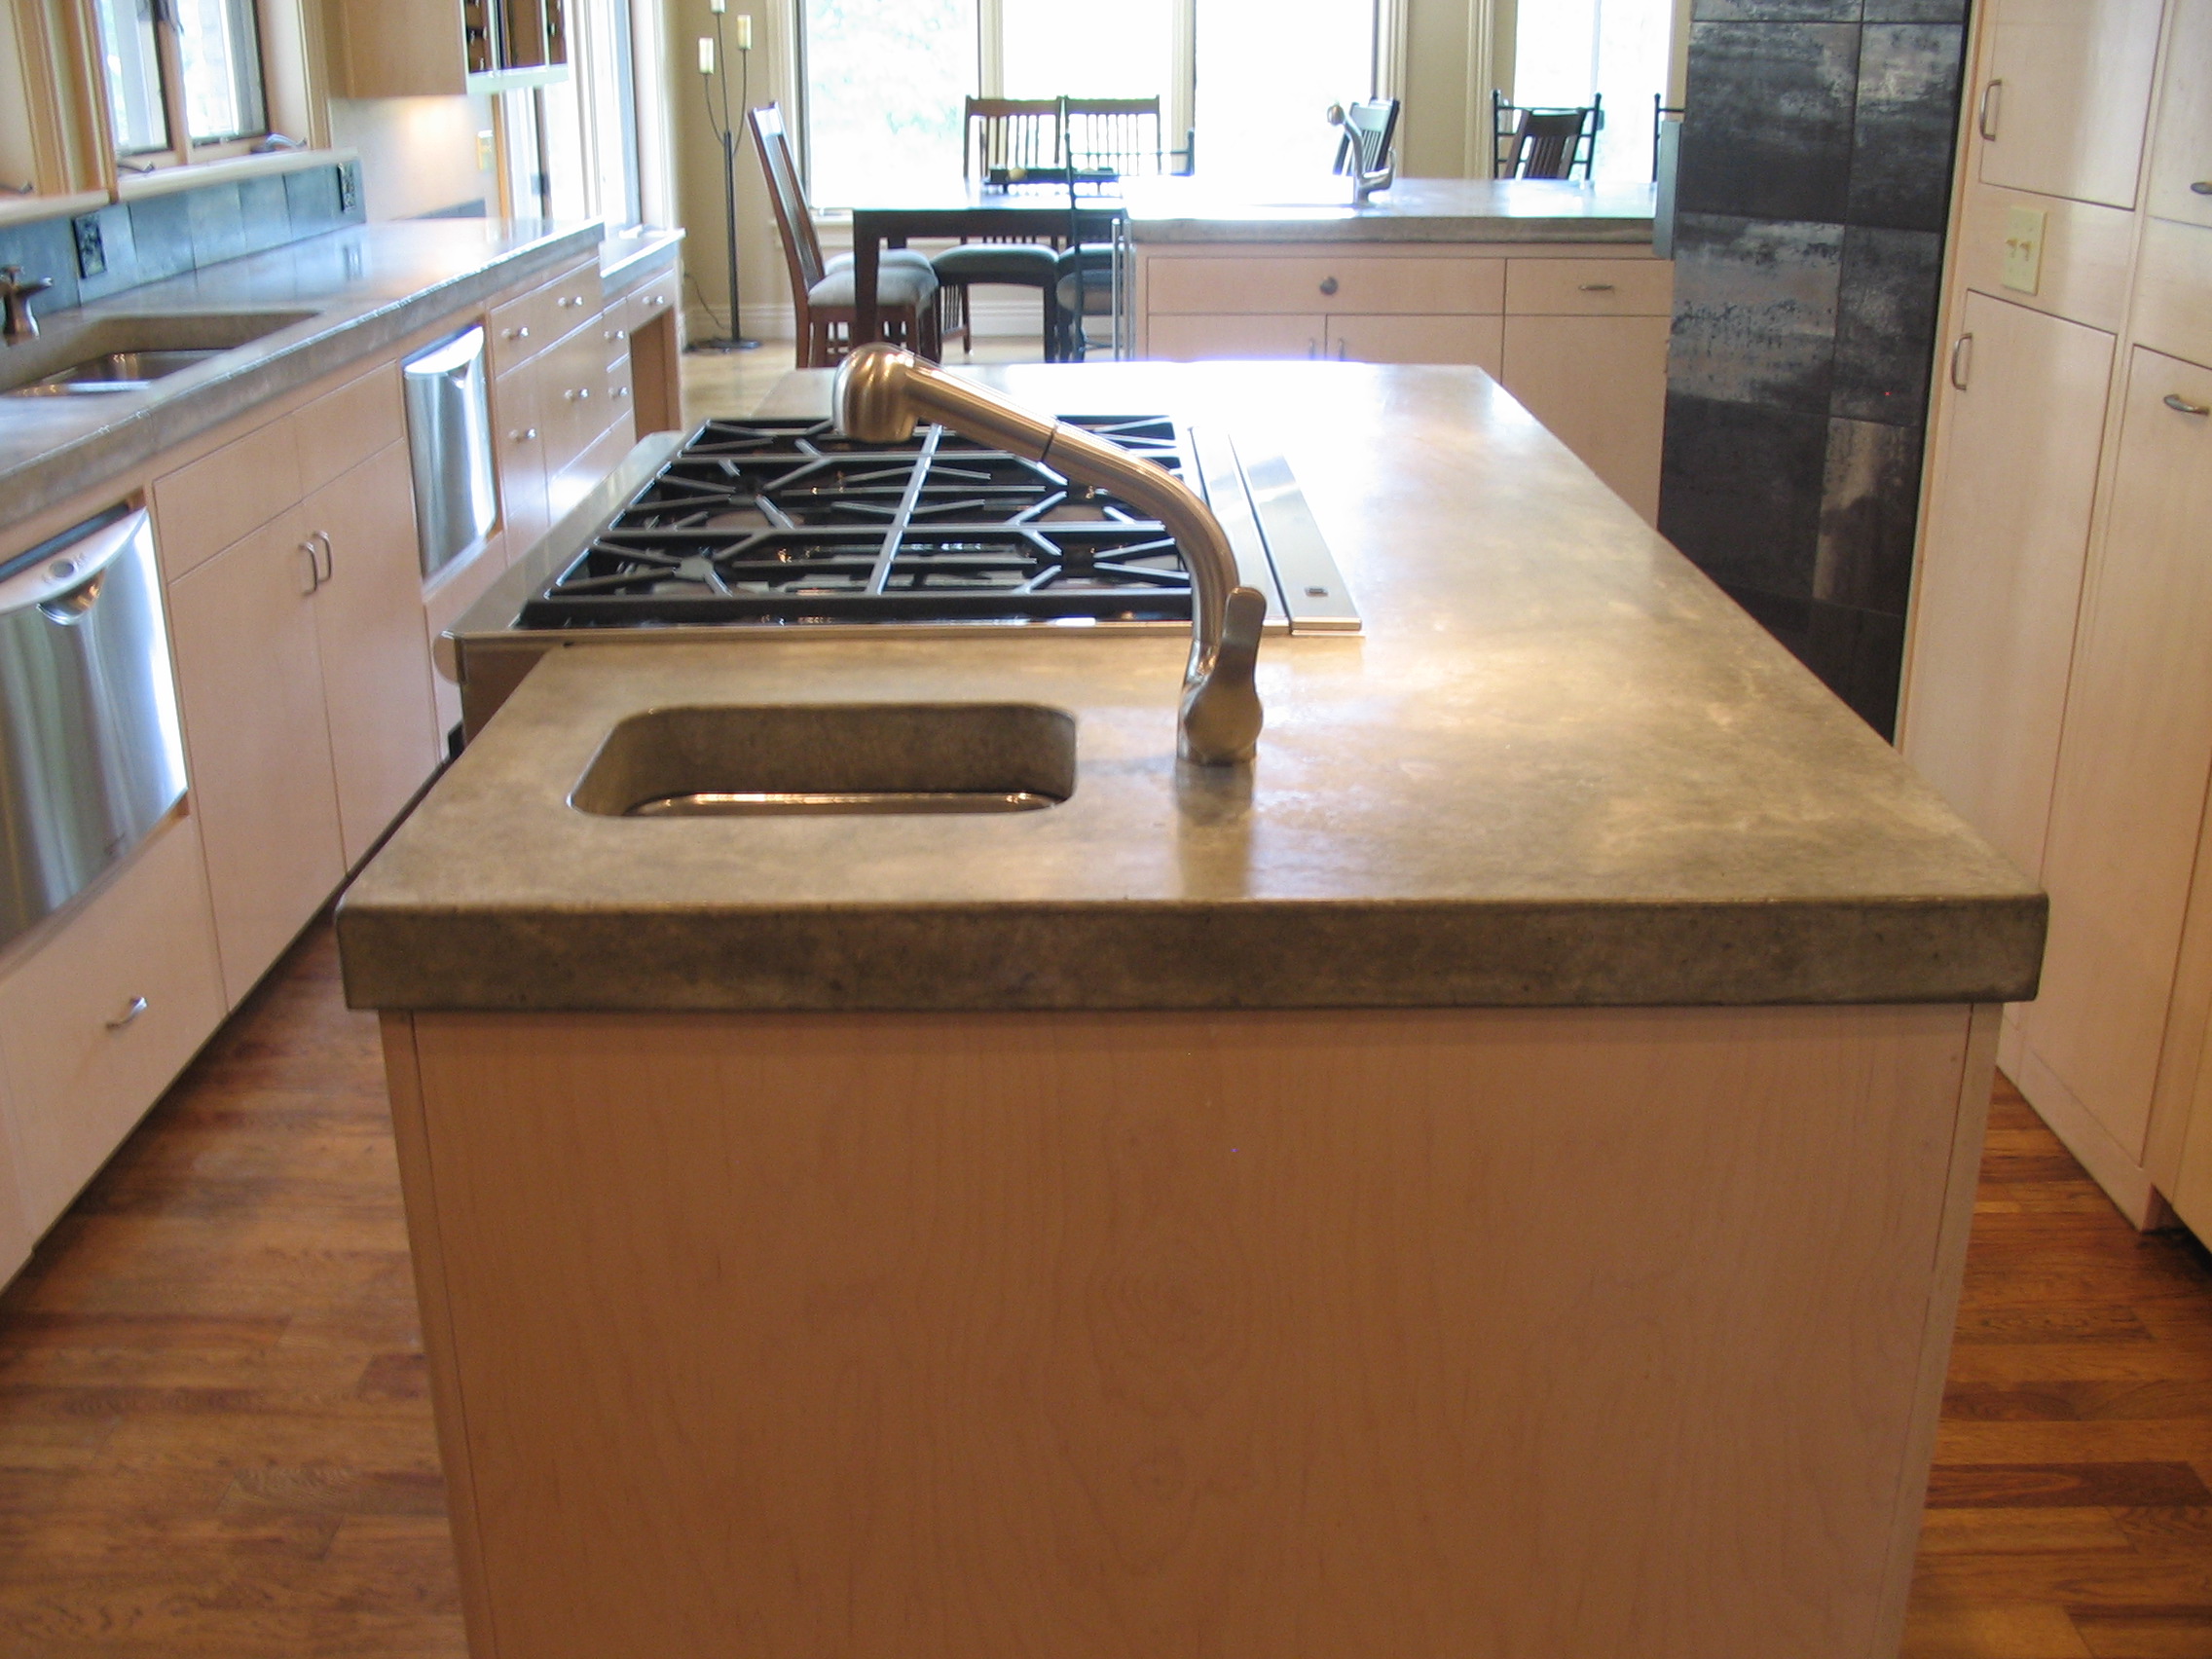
1002	137
824	293
1106	140
1370	128
1543	143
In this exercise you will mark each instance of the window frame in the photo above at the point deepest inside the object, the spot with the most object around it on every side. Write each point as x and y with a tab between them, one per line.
169	53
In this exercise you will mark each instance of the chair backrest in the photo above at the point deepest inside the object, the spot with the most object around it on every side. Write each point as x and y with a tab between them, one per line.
1369	129
1119	136
802	248
1543	143
1010	132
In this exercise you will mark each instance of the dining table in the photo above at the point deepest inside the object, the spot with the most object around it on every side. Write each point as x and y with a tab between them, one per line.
971	209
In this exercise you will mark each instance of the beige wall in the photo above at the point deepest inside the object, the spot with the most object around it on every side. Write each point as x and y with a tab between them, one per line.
418	155
698	175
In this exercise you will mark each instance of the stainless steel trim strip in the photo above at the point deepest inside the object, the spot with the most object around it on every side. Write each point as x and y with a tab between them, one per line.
1223	486
1313	590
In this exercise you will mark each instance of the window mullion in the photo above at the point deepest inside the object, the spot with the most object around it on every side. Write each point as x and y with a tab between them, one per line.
169	50
990	49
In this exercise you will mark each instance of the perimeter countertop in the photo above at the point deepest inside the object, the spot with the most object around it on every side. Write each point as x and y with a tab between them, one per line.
367	287
1559	767
1199	209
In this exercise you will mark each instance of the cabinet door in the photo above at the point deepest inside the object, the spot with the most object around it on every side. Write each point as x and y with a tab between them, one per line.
15	1229
1476	340
2071	98
250	679
1192	339
104	1014
1600	385
521	456
2181	160
376	662
1999	581
2133	761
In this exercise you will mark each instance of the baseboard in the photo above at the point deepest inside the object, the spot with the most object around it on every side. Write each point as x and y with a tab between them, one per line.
2110	1164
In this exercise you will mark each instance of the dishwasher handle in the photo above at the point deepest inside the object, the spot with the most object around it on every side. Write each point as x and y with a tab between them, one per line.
64	581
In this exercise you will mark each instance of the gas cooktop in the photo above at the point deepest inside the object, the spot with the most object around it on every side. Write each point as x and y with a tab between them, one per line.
785	522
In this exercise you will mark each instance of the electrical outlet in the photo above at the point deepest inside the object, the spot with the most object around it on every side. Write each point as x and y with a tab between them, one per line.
484	155
2023	249
92	251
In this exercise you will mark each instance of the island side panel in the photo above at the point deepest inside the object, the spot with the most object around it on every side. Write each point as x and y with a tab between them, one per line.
1411	1333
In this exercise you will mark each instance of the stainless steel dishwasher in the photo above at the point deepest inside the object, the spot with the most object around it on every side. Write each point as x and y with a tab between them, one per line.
448	442
90	753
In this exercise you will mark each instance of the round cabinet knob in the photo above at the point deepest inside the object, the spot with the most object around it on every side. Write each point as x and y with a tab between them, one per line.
1328	285
657	300
615	334
621	391
529	434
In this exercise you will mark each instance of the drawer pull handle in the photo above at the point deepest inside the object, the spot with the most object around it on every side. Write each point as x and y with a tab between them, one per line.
657	300
1961	360
527	436
1596	287
313	576
621	391
1327	285
131	1010
1987	120
518	334
328	566
2181	405
615	334
2202	187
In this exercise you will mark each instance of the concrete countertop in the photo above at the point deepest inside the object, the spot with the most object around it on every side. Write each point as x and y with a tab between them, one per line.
1199	209
369	287
623	252
1558	769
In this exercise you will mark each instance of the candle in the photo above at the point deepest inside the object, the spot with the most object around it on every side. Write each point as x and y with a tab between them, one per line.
706	54
717	7
744	32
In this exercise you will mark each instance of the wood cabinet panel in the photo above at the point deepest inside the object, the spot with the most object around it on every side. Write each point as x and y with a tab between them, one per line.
572	397
1598	384
1476	340
202	508
1352	284
16	1235
521	456
376	660
2067	95
2134	760
1998	584
565	489
342	428
655	297
2173	296
1192	339
101	1018
2088	256
249	675
1590	287
2180	154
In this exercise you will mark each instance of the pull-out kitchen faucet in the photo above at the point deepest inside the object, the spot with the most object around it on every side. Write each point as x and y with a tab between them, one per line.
16	295
883	393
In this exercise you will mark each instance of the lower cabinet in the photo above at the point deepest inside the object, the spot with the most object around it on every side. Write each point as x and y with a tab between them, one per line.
1198	337
1476	340
1598	384
376	675
250	672
98	1018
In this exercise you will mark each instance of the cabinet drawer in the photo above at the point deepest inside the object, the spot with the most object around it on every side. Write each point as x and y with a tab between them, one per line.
1195	339
618	387
571	396
522	329
200	509
2173	305
103	1015
342	428
652	298
1476	340
1358	285
1590	287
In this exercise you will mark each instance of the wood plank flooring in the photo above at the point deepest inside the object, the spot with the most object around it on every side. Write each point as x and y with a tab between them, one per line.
214	1437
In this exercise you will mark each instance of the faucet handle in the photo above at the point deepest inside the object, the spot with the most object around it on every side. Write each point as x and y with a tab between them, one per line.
1221	708
13	278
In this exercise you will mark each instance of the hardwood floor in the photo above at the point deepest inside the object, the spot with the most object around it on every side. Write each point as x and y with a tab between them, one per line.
214	1438
733	383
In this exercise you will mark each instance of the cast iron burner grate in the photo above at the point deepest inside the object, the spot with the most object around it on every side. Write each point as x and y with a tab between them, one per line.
786	521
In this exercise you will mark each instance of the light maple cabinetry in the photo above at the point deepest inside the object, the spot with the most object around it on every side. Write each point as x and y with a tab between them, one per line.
2180	156
99	1017
2064	94
2134	763
15	1232
1579	337
1999	580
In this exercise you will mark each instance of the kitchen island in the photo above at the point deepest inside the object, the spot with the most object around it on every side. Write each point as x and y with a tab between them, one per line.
1490	1179
1551	286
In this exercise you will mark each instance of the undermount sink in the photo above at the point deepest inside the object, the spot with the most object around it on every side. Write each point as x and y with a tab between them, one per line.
846	758
129	353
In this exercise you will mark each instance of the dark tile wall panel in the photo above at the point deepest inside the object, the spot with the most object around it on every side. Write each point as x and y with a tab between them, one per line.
1814	191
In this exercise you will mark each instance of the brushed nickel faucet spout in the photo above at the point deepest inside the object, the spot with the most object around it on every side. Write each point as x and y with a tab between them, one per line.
16	295
883	393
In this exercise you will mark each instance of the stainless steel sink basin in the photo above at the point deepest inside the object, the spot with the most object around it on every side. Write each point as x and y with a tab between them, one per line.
129	353
846	758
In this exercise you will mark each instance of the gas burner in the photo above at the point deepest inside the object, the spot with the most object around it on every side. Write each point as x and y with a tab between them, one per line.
788	522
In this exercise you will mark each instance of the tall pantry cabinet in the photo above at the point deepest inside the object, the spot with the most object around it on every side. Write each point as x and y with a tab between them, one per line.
2059	672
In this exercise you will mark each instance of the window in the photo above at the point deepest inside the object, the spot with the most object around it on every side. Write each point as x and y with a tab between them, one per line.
194	59
882	79
1620	49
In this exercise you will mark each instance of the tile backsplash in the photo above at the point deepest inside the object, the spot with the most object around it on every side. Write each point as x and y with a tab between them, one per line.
1811	196
126	244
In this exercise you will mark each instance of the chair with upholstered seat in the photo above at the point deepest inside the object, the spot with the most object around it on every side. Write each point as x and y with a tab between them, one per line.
824	294
1004	141
1107	140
